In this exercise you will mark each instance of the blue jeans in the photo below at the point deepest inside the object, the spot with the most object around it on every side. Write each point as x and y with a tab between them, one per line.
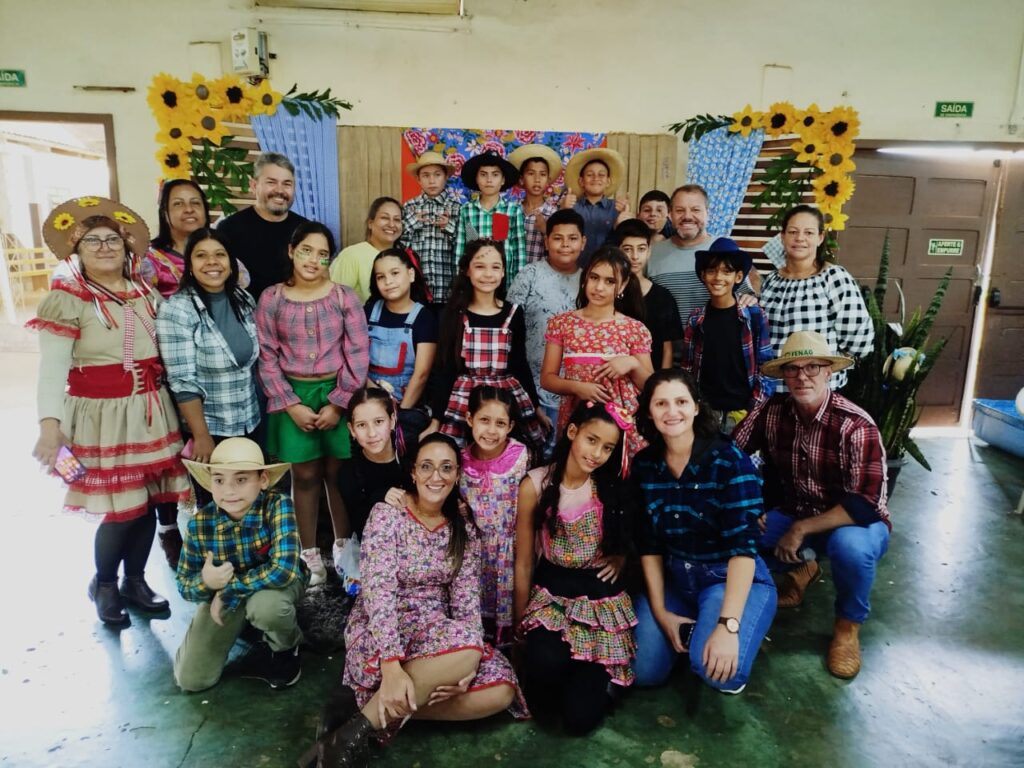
549	444
854	551
696	590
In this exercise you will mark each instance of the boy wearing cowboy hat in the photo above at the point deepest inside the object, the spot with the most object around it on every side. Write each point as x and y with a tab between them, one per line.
429	222
241	563
724	344
830	463
539	167
591	175
491	214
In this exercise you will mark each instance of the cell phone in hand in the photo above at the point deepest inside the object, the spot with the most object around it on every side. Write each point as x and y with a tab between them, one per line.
68	466
685	633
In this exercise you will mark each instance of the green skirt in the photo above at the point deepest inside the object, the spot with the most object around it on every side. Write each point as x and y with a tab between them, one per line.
289	443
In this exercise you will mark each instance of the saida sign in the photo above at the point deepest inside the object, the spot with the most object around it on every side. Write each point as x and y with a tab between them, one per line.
961	109
12	78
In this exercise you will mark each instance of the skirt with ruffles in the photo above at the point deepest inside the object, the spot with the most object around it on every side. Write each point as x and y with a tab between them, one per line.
595	618
131	447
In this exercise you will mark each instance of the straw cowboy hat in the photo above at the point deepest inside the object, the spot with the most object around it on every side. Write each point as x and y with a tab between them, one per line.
611	158
490	157
64	226
236	454
804	345
727	247
429	158
530	151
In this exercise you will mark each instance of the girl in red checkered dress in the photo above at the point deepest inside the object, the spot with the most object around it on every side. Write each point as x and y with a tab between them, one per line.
483	342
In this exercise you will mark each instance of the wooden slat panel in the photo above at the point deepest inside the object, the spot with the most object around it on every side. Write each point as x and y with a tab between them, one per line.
633	167
668	156
648	163
353	174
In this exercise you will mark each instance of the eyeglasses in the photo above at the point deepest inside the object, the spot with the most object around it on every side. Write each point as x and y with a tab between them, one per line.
810	370
426	469
93	243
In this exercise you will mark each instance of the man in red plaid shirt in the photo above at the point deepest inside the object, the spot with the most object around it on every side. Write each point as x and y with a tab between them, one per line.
830	463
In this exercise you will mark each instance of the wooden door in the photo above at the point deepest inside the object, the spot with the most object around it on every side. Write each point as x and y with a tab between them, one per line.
650	163
918	199
369	166
1001	365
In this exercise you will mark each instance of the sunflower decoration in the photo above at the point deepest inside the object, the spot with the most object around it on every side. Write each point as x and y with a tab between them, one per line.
169	99
264	98
808	148
209	126
124	217
808	120
203	91
832	190
174	162
834	219
63	222
175	136
88	202
230	95
780	119
745	121
841	125
837	159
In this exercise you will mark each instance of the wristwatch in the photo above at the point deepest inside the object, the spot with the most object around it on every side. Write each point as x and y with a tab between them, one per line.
732	624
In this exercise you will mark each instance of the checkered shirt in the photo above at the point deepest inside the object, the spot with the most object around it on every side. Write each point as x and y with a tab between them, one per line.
263	547
473	215
536	250
434	245
830	303
836	458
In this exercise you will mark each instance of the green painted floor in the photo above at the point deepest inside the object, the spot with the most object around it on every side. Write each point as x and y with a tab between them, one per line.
942	684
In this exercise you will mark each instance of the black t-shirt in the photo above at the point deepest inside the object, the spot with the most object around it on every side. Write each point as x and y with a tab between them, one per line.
261	245
364	483
723	376
661	316
424	327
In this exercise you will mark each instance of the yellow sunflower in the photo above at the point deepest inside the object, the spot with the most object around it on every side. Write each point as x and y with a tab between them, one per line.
832	190
88	202
176	136
842	123
808	120
264	99
202	90
834	219
808	148
837	160
231	95
124	217
63	221
174	164
781	119
745	121
168	98
209	126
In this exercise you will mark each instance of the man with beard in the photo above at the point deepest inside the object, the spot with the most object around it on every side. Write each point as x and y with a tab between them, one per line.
259	235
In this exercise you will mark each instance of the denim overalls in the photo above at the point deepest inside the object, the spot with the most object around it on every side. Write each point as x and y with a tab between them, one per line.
392	352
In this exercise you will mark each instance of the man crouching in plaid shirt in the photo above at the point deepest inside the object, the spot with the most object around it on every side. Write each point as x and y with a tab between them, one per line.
240	562
831	465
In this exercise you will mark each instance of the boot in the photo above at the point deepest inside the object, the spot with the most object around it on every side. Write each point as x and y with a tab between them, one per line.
796	582
136	591
844	650
340	706
109	607
348	746
170	543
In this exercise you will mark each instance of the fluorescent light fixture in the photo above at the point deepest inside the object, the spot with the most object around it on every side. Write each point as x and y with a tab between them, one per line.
950	152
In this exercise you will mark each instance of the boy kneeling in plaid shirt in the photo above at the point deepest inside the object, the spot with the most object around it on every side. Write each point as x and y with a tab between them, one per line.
240	562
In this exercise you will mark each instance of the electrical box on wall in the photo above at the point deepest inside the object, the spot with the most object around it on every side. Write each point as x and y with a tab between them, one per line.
249	55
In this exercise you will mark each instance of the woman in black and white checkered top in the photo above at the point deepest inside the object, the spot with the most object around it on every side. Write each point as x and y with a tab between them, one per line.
808	294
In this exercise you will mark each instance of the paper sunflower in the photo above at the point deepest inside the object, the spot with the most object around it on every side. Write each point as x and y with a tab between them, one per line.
209	126
746	121
832	190
203	92
174	164
842	123
168	99
88	202
780	119
807	120
124	217
63	222
836	160
264	98
808	148
834	219
230	95
176	136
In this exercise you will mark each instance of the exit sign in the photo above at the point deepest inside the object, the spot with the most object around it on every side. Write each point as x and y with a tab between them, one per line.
12	78
938	247
954	108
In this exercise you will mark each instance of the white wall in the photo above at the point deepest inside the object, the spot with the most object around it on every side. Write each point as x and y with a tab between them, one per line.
622	65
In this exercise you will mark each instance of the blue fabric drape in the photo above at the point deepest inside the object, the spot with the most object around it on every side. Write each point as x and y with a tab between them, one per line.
312	146
722	163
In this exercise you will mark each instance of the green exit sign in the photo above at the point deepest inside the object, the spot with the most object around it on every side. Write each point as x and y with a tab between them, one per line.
12	78
954	109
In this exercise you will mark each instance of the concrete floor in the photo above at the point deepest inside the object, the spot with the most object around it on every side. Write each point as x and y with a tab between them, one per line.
942	684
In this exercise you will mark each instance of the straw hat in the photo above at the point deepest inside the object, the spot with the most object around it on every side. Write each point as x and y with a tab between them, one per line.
63	228
804	345
236	454
530	151
611	158
490	157
429	158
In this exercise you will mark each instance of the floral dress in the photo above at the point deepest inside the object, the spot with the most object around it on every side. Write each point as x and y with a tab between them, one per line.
586	346
595	629
413	606
491	487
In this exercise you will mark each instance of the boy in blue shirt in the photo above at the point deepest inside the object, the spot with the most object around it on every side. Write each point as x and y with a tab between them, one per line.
724	344
240	562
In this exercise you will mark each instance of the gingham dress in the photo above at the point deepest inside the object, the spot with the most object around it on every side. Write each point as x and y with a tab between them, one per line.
485	352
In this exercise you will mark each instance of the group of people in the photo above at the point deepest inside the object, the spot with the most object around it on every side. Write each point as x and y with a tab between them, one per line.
507	457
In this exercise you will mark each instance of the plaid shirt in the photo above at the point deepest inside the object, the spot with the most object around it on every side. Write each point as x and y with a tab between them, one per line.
263	547
199	362
536	250
757	348
434	245
837	458
308	339
473	215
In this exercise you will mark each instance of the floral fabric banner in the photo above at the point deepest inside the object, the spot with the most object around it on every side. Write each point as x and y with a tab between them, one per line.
460	144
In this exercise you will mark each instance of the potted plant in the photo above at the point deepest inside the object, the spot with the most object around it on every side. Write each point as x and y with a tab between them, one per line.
885	383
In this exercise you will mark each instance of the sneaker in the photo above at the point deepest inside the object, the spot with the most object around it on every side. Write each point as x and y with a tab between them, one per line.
734	691
279	669
315	563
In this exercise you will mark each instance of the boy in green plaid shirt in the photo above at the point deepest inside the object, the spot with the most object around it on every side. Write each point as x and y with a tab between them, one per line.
240	562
